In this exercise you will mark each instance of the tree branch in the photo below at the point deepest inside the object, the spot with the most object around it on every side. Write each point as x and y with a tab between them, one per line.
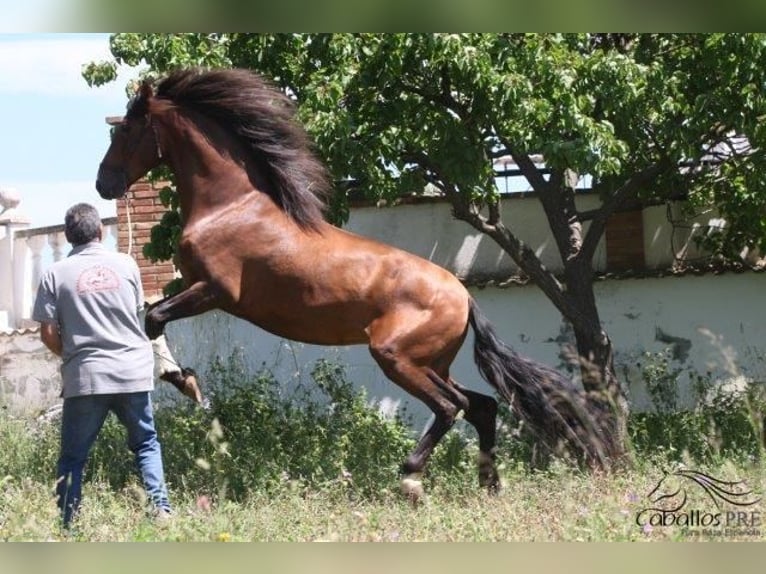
519	251
502	152
446	95
443	97
421	158
599	217
526	166
589	214
557	198
525	258
494	212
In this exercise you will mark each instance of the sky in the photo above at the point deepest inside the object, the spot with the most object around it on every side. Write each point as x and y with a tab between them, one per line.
53	132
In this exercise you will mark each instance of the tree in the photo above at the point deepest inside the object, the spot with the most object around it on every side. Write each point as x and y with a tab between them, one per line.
646	117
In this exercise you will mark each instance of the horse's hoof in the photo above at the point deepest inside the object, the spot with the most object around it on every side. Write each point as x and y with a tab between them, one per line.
491	483
493	486
488	477
412	487
186	383
191	389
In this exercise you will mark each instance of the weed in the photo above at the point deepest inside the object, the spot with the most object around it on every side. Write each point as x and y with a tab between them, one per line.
322	463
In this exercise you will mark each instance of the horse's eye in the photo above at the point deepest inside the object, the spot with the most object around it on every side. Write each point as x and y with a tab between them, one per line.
116	129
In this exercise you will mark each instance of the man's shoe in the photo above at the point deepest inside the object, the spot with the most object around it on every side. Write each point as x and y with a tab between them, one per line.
162	516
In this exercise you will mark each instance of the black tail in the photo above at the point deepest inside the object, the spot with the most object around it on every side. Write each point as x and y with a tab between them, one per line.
554	408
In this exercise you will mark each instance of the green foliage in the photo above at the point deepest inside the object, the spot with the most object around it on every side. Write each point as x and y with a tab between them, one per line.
255	438
647	117
661	380
27	448
725	422
164	237
321	464
98	74
727	428
393	111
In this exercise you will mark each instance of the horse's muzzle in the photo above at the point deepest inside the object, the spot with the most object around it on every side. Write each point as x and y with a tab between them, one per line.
111	183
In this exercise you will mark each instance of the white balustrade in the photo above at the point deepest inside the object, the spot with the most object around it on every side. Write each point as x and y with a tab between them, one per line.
36	243
57	241
20	274
25	254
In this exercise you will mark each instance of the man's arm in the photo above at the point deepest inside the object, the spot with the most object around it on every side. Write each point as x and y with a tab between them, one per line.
49	335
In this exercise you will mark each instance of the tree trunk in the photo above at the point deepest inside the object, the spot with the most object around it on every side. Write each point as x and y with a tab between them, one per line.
596	361
594	348
574	298
603	389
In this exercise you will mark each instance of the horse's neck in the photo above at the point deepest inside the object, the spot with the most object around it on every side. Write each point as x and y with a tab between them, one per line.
209	167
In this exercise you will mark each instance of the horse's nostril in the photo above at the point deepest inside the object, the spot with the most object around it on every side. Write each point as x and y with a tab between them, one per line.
98	186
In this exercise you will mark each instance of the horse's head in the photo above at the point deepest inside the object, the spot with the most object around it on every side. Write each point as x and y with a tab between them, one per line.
135	148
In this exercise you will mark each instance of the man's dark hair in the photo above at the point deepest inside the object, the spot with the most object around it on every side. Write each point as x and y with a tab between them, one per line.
82	224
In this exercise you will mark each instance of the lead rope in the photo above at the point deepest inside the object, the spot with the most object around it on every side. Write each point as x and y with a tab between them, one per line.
170	360
165	354
130	223
162	356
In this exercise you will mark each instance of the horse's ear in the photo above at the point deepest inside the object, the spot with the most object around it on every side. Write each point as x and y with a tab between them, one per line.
145	90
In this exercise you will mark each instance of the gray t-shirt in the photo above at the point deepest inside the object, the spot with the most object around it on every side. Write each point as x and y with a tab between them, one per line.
94	296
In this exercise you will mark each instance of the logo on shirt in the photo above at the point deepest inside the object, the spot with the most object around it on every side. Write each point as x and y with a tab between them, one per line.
97	278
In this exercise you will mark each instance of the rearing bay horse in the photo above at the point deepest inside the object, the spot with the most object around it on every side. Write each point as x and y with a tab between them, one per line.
256	245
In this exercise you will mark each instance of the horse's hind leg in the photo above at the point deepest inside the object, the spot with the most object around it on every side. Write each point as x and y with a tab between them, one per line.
443	400
412	468
482	414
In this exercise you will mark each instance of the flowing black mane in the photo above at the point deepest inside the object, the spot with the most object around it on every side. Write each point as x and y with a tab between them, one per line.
264	118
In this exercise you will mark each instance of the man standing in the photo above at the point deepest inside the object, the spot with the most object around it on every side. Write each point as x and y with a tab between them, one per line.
88	308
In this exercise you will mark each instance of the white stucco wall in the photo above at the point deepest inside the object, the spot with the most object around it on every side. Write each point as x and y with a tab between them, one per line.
714	321
429	230
669	233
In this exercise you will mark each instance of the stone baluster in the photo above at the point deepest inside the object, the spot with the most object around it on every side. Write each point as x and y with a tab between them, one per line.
57	241
12	221
110	230
21	273
36	243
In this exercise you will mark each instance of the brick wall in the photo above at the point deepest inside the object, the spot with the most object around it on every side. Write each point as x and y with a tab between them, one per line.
625	241
145	212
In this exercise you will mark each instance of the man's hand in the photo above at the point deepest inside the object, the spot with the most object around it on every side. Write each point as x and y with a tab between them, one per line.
49	335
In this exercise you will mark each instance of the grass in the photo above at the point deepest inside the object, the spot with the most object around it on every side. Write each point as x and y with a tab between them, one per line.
559	504
261	466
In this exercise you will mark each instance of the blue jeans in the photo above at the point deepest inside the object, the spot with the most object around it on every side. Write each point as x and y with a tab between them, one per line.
81	422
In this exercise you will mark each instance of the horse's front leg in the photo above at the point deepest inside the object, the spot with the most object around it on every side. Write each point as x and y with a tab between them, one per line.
167	368
197	299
